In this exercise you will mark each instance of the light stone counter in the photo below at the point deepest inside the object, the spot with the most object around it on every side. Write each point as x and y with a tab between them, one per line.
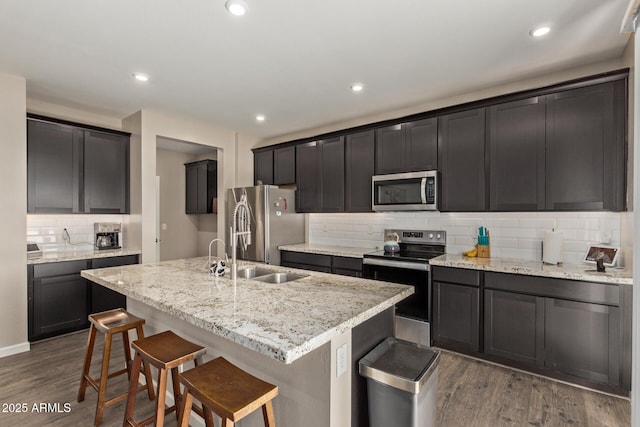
74	255
583	272
315	248
282	321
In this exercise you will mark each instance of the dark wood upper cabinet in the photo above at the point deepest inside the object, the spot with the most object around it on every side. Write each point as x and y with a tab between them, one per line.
332	174
462	161
75	170
516	142
263	167
585	148
284	165
54	168
106	173
201	186
407	147
307	173
359	168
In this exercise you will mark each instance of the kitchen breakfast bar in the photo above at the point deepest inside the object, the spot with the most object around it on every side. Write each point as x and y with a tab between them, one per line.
287	333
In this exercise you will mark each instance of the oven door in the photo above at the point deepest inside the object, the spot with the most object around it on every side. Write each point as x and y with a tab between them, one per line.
416	274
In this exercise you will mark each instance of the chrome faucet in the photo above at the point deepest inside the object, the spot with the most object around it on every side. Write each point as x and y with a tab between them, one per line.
241	219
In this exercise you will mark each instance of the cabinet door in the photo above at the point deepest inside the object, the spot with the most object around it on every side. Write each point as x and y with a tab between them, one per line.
390	149
191	173
307	173
54	164
332	175
263	167
359	168
59	305
201	173
514	326
102	298
583	339
516	155
421	146
462	161
456	322
106	173
584	148
284	166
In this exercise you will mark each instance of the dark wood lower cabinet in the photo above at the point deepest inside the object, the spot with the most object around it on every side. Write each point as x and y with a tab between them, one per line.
514	326
583	339
456	316
344	266
60	299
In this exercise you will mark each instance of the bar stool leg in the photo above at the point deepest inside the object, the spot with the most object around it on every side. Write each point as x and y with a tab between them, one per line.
127	352
133	387
162	386
177	396
102	392
87	363
185	409
267	414
147	370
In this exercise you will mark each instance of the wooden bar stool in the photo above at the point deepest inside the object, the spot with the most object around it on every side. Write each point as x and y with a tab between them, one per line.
166	351
228	391
111	322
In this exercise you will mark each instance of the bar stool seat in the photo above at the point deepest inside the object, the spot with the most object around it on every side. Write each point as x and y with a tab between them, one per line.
227	391
111	322
165	351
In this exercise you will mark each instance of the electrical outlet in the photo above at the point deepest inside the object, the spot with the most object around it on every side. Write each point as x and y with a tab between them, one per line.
605	237
341	360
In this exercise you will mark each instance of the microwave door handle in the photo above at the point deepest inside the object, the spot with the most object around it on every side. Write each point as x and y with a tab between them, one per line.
423	190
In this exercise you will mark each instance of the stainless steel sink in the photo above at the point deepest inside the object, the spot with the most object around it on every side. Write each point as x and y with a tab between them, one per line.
252	272
280	277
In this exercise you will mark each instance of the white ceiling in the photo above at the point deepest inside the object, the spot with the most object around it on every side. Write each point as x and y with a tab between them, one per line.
292	61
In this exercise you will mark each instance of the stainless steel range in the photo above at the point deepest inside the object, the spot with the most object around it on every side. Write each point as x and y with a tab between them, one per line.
410	266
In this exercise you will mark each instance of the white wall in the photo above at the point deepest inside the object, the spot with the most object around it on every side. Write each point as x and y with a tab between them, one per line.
13	187
149	125
180	238
79	115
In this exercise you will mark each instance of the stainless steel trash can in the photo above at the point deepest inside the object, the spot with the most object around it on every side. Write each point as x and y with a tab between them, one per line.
402	384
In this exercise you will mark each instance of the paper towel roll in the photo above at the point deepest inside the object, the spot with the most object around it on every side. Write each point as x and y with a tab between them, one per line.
552	247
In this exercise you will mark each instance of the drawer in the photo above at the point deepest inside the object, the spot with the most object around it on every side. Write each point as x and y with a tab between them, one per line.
59	268
347	263
459	276
575	290
306	258
115	261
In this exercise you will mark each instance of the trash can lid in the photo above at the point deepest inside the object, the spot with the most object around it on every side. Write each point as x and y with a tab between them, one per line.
400	364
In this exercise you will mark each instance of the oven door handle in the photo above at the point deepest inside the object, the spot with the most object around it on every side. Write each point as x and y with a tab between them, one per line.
423	190
407	265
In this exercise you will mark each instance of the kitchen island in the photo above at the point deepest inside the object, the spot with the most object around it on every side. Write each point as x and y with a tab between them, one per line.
287	334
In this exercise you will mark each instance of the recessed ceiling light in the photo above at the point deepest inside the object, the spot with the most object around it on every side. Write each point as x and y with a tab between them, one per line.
236	7
141	77
540	31
357	87
260	118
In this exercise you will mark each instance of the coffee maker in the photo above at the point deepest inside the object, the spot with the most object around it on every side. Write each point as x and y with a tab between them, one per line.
108	235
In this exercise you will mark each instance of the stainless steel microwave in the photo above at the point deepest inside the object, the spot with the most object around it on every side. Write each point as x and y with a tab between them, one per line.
412	191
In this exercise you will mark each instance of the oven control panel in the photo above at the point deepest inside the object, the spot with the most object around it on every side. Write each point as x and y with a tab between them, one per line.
433	237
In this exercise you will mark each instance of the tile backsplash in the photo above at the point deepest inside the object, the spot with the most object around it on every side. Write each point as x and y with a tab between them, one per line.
46	230
513	234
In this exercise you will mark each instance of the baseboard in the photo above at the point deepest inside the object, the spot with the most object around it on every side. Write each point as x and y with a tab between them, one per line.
14	349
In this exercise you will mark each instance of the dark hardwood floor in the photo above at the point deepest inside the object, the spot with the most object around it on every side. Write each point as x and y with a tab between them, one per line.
471	393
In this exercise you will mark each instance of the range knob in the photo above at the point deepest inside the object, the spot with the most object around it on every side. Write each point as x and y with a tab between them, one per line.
430	235
438	236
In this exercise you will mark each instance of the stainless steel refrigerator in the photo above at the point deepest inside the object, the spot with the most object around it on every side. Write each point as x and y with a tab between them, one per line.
274	222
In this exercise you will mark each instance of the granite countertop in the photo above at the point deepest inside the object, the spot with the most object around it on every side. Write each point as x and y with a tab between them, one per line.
283	321
584	272
73	255
315	248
